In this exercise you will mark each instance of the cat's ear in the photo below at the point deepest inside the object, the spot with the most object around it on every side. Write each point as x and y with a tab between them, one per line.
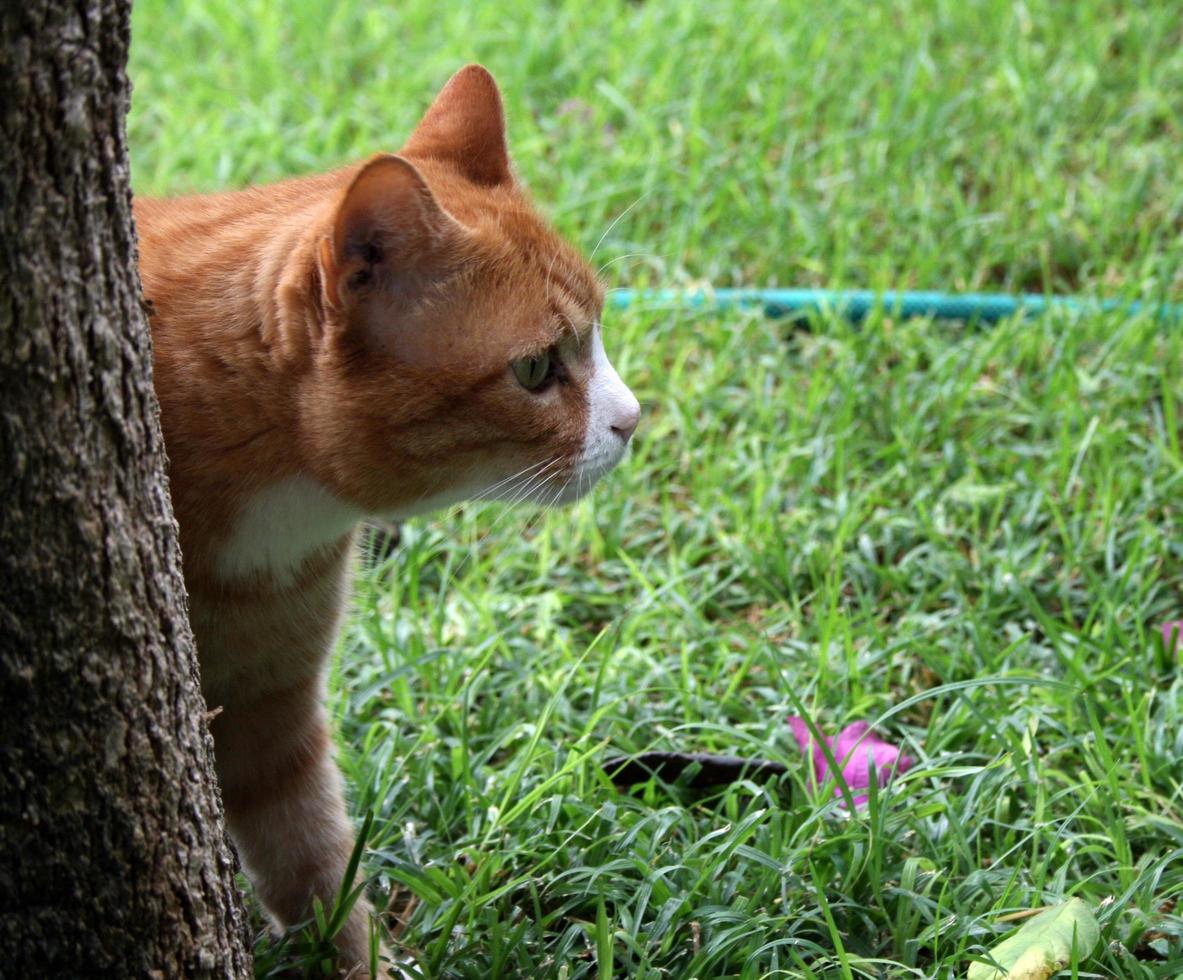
389	236
465	126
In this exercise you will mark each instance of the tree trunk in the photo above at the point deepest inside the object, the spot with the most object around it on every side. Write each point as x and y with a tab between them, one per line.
113	860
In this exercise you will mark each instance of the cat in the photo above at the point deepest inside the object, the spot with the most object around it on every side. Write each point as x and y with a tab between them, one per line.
378	341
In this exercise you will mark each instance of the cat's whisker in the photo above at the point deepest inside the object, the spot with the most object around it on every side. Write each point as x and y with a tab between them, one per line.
536	518
559	492
529	482
509	485
582	336
615	221
485	494
535	481
631	255
515	488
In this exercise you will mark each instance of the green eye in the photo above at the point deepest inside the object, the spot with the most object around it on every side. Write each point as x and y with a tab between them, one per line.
532	372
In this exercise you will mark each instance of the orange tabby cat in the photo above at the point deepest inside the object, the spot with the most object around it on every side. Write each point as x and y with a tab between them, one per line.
384	340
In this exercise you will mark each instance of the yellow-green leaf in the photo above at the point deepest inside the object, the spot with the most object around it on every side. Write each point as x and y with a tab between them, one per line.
1043	945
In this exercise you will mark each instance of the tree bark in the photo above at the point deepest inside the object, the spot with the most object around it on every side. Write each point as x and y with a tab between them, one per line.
113	859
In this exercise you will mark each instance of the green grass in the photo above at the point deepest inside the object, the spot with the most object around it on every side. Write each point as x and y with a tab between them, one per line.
967	535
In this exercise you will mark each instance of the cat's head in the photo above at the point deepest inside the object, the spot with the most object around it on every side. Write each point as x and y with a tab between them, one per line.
462	354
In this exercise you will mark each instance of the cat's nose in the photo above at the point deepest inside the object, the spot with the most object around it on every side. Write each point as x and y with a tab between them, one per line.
628	414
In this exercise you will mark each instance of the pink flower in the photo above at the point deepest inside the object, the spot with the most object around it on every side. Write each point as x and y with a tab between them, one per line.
1172	634
854	748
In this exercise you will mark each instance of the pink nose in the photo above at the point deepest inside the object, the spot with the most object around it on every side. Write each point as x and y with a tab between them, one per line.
626	423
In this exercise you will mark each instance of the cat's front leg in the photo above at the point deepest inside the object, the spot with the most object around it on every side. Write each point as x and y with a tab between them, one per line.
286	810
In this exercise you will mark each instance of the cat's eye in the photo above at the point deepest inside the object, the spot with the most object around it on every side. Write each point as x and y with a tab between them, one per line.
533	372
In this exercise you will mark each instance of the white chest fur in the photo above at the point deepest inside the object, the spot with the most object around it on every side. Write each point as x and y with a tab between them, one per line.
282	526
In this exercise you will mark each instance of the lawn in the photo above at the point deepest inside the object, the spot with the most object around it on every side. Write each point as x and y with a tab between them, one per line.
966	535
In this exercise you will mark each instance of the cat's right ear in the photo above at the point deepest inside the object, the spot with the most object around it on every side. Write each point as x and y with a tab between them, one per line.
390	238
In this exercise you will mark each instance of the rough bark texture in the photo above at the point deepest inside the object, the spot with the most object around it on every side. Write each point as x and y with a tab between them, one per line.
113	860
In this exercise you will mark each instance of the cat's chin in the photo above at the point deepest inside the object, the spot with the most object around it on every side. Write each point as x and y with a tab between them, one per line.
588	473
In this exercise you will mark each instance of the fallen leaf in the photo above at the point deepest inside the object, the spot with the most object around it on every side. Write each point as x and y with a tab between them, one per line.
1044	945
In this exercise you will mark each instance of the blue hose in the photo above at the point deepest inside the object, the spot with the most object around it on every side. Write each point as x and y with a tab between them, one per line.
855	304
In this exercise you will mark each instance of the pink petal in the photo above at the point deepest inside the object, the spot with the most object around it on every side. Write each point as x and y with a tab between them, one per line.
1172	634
804	737
855	748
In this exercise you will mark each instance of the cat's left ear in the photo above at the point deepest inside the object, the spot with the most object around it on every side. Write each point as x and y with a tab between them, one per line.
390	238
465	126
